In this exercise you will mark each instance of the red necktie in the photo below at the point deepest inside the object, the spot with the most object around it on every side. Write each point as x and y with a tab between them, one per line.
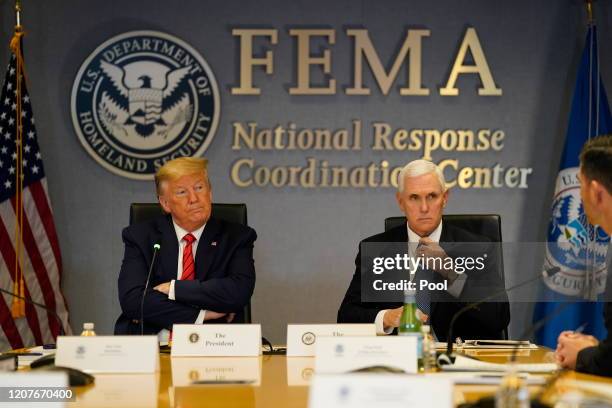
188	263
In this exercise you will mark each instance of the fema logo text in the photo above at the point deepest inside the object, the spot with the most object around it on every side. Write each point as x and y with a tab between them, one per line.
143	98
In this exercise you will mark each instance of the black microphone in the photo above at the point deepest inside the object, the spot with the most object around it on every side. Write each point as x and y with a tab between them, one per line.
30	301
446	358
156	248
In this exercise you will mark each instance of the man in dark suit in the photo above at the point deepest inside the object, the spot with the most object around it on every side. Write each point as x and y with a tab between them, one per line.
577	351
422	196
204	271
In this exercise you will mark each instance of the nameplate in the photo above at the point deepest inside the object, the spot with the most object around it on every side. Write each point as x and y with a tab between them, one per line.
301	338
379	390
216	340
109	354
343	354
187	371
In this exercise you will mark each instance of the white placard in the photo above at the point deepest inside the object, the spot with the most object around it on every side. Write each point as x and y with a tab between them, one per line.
379	390
215	370
36	379
108	354
216	340
301	338
343	354
300	370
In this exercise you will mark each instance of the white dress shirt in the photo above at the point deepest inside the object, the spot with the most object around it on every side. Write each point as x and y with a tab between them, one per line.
180	233
454	289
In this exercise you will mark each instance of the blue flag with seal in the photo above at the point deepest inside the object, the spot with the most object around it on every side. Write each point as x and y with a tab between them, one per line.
574	246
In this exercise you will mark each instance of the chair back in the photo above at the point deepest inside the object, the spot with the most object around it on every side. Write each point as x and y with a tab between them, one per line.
237	213
488	225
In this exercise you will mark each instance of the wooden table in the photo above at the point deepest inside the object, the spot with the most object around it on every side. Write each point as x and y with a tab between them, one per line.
283	382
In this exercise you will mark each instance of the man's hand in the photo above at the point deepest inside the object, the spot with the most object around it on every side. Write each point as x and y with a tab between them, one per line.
569	345
163	288
212	315
431	250
392	317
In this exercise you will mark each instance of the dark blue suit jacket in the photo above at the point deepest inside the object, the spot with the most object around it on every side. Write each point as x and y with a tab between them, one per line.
485	322
224	274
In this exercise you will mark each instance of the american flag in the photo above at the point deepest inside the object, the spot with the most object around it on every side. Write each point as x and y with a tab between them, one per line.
40	260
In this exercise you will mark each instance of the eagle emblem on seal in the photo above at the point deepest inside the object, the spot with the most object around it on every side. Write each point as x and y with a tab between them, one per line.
150	104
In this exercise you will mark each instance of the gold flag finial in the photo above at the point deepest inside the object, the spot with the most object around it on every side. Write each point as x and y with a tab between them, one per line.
589	7
18	13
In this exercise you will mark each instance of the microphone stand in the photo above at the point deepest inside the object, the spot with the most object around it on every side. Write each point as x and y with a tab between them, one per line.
447	358
144	292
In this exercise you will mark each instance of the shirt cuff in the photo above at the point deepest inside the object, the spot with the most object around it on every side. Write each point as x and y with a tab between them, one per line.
379	322
201	317
171	291
456	287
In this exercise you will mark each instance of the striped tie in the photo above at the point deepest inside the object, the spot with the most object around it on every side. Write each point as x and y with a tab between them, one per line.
188	263
422	297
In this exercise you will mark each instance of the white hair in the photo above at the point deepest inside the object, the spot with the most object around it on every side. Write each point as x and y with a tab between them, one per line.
417	168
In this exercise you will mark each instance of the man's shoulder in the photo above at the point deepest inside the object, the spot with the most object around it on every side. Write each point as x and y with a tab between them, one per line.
146	227
397	234
458	234
232	227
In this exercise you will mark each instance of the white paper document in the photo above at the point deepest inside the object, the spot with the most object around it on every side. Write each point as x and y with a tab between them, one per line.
463	363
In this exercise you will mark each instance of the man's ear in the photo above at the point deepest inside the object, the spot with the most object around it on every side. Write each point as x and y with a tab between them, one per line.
398	198
164	204
597	192
445	197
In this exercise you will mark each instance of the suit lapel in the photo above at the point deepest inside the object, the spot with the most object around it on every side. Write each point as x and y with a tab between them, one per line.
207	248
169	248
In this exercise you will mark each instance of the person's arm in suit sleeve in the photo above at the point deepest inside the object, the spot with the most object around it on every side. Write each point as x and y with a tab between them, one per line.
596	360
495	315
158	309
352	309
230	293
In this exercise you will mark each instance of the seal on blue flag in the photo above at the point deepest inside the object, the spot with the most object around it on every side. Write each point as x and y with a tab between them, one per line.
573	245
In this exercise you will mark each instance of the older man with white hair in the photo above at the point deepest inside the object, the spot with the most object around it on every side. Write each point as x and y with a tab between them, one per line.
422	196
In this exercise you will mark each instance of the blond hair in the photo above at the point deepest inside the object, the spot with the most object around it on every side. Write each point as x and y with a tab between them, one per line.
177	168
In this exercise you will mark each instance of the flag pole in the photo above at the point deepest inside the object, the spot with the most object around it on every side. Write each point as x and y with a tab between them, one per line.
18	305
589	291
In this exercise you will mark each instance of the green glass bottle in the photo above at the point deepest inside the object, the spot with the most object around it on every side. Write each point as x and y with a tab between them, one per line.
410	325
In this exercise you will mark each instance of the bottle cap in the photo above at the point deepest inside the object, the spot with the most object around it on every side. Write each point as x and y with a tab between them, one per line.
88	326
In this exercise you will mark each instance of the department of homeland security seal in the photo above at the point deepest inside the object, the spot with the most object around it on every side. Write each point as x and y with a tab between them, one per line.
574	245
142	98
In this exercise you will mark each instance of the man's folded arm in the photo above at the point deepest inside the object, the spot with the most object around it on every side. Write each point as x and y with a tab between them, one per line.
228	294
158	309
495	313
